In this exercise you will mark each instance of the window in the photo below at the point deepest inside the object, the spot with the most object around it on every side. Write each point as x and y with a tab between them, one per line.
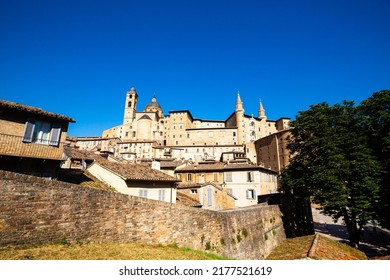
250	194
250	176
234	134
161	195
209	197
189	177
228	177
42	132
194	191
216	177
143	193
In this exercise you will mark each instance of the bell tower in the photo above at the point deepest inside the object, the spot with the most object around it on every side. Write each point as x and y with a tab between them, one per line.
130	106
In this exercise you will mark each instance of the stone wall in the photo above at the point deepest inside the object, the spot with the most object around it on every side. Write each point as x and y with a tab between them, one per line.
34	210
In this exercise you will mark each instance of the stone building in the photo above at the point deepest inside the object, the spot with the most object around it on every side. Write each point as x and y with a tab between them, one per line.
31	139
243	181
141	180
149	134
272	150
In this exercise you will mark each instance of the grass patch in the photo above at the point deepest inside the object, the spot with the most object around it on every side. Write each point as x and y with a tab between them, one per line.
327	249
103	251
292	248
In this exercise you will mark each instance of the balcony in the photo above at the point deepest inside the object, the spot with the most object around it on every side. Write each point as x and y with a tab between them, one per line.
11	145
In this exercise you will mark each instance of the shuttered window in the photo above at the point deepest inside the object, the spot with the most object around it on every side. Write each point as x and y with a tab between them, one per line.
209	197
29	131
143	193
42	132
228	177
55	134
161	195
250	177
250	194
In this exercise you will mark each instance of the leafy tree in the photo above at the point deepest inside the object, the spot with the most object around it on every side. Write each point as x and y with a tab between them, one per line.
375	117
333	163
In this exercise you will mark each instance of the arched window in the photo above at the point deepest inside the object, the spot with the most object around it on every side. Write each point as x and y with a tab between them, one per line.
129	104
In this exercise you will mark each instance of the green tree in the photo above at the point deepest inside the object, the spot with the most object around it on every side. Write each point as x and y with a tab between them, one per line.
375	117
333	163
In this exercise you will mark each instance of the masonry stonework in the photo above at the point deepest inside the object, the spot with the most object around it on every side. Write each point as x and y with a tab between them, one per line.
34	210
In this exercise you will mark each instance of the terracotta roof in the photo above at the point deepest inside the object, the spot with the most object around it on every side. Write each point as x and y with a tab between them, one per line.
137	172
80	154
168	164
29	109
183	199
185	185
220	166
201	167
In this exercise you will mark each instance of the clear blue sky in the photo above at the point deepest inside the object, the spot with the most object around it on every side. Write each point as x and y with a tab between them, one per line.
78	58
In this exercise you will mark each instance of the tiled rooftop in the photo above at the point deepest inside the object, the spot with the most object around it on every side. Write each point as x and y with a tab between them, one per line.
133	171
29	109
80	154
219	166
183	199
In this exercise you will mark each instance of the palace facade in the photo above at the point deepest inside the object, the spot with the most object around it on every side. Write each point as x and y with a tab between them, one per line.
150	134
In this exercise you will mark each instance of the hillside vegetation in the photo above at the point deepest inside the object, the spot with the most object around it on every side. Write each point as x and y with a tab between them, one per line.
103	251
290	249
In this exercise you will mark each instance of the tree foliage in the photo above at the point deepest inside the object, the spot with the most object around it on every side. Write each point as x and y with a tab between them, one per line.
335	160
375	116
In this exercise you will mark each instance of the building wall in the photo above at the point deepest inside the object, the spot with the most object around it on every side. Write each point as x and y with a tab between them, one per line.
237	183
134	188
239	186
272	151
13	124
40	159
211	137
35	210
220	200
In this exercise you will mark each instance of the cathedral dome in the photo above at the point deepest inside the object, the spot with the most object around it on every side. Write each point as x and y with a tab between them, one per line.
153	104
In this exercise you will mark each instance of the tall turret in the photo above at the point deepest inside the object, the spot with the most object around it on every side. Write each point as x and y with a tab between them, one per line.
130	106
240	120
261	112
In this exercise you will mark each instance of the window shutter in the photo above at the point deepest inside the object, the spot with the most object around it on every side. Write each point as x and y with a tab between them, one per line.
209	197
29	131
55	134
228	176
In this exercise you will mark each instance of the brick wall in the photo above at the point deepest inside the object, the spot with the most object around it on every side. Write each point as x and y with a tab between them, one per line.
35	210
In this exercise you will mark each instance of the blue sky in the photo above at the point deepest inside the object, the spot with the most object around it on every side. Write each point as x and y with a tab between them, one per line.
78	58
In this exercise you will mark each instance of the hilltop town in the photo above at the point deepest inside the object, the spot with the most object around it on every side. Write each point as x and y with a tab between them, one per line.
152	160
222	164
149	180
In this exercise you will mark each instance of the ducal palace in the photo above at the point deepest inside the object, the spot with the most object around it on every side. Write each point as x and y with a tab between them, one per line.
150	134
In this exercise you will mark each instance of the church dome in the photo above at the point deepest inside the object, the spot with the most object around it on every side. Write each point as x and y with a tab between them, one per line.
153	104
